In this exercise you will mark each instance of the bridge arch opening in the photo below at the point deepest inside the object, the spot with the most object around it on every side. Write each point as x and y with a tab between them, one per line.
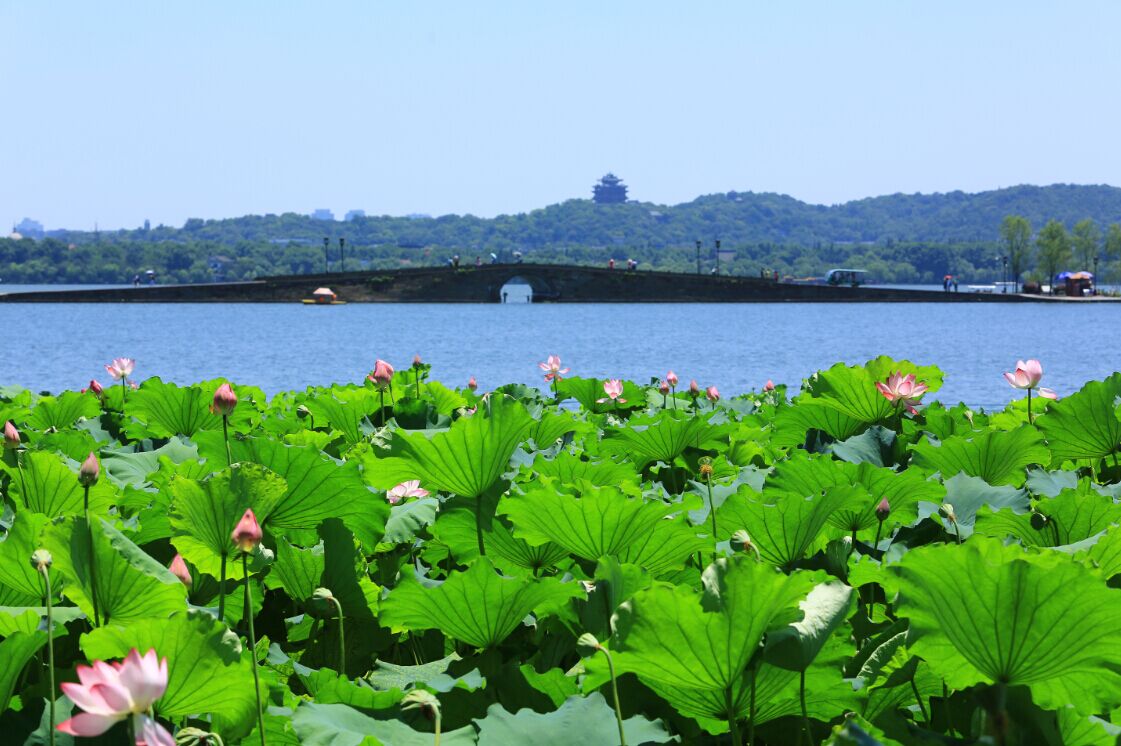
516	290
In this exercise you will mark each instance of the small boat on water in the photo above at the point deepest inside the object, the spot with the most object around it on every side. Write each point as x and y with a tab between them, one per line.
323	297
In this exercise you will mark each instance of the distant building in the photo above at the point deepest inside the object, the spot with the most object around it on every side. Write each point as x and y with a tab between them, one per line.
352	214
29	228
322	214
609	191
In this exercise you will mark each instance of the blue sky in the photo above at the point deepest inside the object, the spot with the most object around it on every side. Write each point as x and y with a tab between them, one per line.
116	112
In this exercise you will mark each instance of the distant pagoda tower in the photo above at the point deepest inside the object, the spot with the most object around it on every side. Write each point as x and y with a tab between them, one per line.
609	191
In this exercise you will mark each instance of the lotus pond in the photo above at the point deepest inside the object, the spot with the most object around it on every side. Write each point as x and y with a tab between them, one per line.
399	561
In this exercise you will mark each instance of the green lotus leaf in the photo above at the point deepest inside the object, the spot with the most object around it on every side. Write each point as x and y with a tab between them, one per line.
1073	516
554	683
433	675
825	609
410	518
208	672
62	411
345	410
588	391
983	612
50	487
125	468
852	390
793	423
339	725
969	494
131	585
1106	553
478	607
675	637
1086	424
318	488
22	539
549	427
162	410
663	437
335	563
203	514
444	399
74	444
856	731
583	720
874	446
995	456
465	460
604	522
1050	483
16	651
615	583
327	687
568	469
785	530
1080	730
455	530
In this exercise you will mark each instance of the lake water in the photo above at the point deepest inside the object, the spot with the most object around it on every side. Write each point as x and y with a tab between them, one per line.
737	347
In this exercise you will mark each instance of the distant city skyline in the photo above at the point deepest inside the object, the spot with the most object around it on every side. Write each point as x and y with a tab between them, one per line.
126	113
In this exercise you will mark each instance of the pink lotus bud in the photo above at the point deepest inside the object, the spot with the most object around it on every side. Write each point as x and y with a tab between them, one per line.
883	510
671	378
769	385
663	387
417	361
712	394
382	375
11	436
179	569
247	533
224	400
95	388
694	389
472	383
89	471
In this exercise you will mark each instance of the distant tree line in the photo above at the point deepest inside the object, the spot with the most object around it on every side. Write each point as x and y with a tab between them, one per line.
1054	249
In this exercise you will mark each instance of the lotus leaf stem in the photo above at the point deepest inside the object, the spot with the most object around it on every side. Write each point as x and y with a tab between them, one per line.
751	708
342	636
712	513
805	711
949	714
253	644
918	698
479	525
222	588
226	437
50	646
614	693
1029	407
730	709
93	565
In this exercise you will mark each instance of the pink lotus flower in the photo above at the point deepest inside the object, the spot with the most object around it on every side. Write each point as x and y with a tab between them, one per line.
902	389
712	394
89	471
382	375
614	390
95	388
552	368
411	488
671	378
121	367
1047	393
769	385
472	383
179	569
224	400
11	436
1027	374
247	533
107	693
883	509
694	389
663	386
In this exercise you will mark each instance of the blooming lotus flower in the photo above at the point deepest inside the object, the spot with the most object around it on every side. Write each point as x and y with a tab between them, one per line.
1026	376
89	471
769	385
121	367
472	383
382	375
902	389
11	436
179	569
110	692
224	400
95	388
671	378
712	394
411	488
614	390
247	533
552	368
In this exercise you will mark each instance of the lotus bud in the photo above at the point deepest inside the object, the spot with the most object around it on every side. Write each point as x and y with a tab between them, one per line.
587	645
947	512
247	533
694	389
883	510
302	412
712	394
224	400
179	569
196	737
89	471
671	378
588	586
663	387
769	385
417	361
741	541
969	416
322	602
382	376
95	388
472	383
41	559
11	436
423	700
1039	520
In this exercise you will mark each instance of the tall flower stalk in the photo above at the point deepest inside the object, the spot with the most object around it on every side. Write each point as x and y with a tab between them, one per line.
87	477
225	400
120	369
588	645
553	373
41	561
246	537
1026	377
325	595
671	380
426	702
706	474
382	378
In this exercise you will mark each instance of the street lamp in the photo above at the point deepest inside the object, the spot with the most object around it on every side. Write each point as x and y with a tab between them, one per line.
342	256
326	255
1095	274
698	256
718	256
1004	274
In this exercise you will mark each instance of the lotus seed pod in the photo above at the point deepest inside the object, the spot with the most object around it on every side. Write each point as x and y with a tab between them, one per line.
41	559
947	512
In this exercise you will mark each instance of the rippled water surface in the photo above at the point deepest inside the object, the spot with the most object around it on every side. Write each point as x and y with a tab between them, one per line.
736	347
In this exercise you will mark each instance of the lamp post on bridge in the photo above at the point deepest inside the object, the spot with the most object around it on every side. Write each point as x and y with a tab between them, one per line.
1004	274
326	255
1095	274
342	256
698	256
718	256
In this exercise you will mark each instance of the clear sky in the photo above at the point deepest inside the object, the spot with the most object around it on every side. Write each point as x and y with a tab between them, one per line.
116	112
